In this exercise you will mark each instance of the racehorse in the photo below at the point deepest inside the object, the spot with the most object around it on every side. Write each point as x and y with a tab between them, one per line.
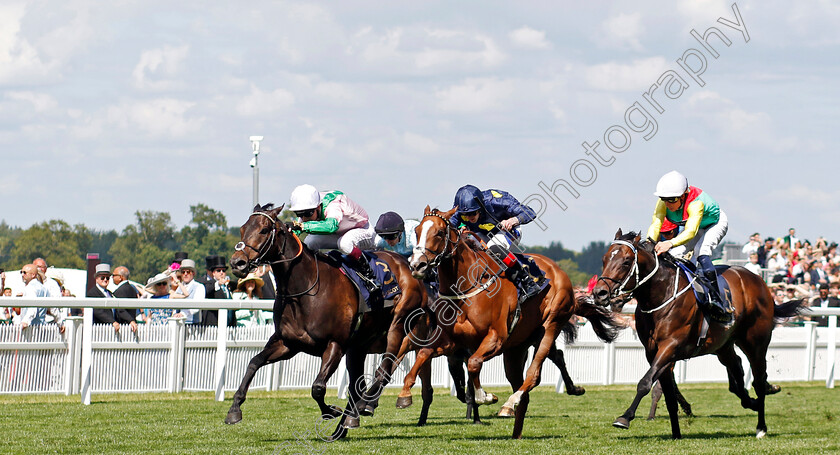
316	312
483	319
670	324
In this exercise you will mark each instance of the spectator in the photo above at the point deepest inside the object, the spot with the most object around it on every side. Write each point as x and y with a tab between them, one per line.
207	279
158	288
752	245
268	289
818	274
753	265
764	250
777	264
790	240
34	288
217	289
53	288
124	290
249	288
823	300
7	292
779	295
190	289
58	314
99	291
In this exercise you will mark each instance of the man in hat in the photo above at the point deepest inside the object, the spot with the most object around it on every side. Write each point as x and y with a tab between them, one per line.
100	291
124	290
34	288
823	300
216	288
190	289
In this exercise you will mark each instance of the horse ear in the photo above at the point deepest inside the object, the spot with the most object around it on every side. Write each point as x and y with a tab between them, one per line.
428	210
637	239
256	208
618	234
277	211
450	213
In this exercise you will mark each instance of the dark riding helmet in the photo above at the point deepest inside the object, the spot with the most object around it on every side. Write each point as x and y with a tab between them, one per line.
468	199
389	223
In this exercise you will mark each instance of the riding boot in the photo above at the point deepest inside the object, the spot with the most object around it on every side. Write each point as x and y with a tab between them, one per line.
523	281
719	310
363	267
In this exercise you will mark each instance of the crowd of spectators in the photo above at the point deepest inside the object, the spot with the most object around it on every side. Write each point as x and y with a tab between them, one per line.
178	280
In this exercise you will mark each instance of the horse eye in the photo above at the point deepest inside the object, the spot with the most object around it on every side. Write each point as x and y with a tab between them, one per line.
265	230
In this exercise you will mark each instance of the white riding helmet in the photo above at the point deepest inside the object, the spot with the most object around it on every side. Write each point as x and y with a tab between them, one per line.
304	197
672	184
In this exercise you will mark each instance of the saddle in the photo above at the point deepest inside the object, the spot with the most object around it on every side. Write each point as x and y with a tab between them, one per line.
389	288
700	285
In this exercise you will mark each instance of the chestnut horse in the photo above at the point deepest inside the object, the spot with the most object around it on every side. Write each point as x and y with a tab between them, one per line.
669	323
481	317
316	312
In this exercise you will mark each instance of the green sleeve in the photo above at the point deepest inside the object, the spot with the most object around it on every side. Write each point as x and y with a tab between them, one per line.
328	226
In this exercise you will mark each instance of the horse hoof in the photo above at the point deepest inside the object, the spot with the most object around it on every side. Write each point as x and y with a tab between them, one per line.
367	410
233	417
333	411
575	391
351	422
772	389
490	398
759	434
506	412
404	402
622	423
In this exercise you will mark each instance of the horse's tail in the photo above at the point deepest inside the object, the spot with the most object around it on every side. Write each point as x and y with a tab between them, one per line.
603	321
570	332
788	309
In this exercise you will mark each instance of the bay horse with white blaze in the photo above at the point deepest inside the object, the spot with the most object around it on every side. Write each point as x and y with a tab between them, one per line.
316	311
670	324
483	318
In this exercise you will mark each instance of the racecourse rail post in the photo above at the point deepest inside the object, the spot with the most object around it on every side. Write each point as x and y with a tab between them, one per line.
831	354
87	354
811	352
221	355
71	359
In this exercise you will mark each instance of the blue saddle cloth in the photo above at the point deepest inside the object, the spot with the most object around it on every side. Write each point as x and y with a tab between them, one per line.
389	288
701	290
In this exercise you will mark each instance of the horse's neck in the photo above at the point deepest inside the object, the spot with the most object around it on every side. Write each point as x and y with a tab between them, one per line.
297	273
461	264
659	288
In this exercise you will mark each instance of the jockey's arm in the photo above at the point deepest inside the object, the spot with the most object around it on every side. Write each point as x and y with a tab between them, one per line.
656	224
692	224
327	226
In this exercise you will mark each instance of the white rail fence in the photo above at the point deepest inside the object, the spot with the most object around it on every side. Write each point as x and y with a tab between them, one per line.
173	357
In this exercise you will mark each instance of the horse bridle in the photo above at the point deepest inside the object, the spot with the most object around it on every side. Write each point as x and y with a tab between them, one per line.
620	290
442	254
266	246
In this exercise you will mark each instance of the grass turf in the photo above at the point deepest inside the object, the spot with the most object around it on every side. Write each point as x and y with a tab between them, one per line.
803	418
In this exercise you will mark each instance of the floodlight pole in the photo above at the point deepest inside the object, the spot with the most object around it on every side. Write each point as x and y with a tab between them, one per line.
255	146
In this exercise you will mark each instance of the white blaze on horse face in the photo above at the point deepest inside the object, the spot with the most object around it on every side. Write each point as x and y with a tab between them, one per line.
615	251
421	242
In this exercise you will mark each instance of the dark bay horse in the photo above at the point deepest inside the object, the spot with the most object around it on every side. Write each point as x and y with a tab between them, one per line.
316	312
669	323
482	309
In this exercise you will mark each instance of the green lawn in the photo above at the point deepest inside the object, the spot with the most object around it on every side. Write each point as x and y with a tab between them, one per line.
803	418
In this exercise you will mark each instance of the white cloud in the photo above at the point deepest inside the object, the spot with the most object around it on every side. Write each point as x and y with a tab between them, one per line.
614	76
259	102
160	117
157	66
474	95
420	143
19	60
622	31
528	37
41	102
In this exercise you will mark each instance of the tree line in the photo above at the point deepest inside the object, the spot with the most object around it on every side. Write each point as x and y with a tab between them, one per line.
148	245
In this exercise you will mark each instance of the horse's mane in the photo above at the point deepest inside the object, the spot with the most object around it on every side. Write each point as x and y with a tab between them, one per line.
266	207
647	245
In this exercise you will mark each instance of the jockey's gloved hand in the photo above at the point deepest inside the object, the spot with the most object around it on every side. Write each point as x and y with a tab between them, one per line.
294	225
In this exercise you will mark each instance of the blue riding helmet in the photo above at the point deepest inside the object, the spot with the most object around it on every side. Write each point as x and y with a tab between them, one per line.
389	223
468	199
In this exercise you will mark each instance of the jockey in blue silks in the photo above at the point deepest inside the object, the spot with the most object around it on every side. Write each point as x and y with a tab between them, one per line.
495	215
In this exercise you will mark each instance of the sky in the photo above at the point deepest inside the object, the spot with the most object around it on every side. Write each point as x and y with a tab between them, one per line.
110	108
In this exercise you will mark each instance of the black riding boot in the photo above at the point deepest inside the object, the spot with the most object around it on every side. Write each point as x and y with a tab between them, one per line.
523	281
720	311
368	278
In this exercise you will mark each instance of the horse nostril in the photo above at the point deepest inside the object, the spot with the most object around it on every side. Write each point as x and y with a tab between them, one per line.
601	294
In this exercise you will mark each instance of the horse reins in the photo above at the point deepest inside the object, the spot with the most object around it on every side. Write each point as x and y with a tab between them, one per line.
442	254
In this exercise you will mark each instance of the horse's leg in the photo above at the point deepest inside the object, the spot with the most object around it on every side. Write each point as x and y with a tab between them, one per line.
274	350
427	392
669	387
404	398
355	361
488	348
727	356
455	362
514	361
684	404
661	361
519	400
756	352
556	356
329	362
396	336
469	396
655	395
